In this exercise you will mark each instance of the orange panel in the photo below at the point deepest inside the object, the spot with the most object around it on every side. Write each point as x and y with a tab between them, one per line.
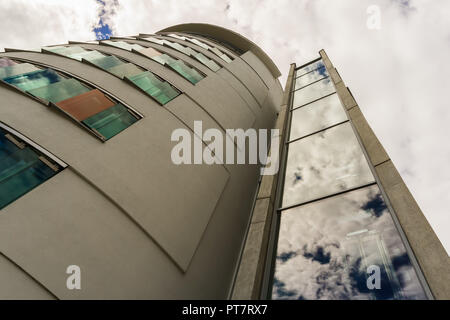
150	52
85	105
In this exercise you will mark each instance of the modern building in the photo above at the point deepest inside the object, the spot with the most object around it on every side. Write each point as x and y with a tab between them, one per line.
86	179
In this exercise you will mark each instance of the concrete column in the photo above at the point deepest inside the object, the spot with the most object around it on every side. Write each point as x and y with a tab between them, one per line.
251	269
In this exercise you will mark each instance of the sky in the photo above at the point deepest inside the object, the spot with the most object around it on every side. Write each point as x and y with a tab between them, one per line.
392	56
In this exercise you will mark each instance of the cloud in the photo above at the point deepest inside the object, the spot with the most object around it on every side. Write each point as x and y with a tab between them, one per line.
398	74
32	24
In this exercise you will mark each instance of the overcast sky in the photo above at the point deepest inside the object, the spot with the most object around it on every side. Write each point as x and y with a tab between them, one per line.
398	73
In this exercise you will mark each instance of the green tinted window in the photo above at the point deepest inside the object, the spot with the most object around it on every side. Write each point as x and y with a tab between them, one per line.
106	62
35	79
16	69
166	93
161	91
188	73
87	55
59	91
126	69
111	121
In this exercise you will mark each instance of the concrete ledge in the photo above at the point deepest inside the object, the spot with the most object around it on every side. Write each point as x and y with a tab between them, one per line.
374	149
249	277
428	250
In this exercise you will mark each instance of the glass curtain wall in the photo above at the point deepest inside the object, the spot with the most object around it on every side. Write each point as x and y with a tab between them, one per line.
336	236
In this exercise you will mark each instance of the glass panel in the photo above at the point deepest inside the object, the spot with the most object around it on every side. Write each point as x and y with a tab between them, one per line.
69	50
310	67
207	62
166	93
317	116
165	59
190	74
310	77
87	55
35	79
326	250
85	105
59	91
111	121
312	92
16	69
107	62
150	52
20	171
162	92
197	42
173	35
154	40
226	58
145	80
5	62
216	51
126	69
124	45
325	163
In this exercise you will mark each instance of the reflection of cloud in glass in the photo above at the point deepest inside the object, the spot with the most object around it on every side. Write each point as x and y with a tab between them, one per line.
310	67
310	77
325	247
328	162
312	92
316	116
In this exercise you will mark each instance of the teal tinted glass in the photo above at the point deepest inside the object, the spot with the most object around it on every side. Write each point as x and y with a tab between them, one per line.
166	93
70	50
124	45
126	69
161	91
59	91
190	74
15	69
164	58
111	121
87	55
207	62
35	79
106	62
20	171
146	81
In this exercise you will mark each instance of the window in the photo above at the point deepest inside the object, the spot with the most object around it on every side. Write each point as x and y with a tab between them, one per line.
97	112
316	116
185	50
313	92
119	67
214	50
310	77
159	90
325	163
326	248
22	166
187	72
310	67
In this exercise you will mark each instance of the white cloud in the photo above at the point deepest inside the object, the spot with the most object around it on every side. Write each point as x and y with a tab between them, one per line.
397	74
32	24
